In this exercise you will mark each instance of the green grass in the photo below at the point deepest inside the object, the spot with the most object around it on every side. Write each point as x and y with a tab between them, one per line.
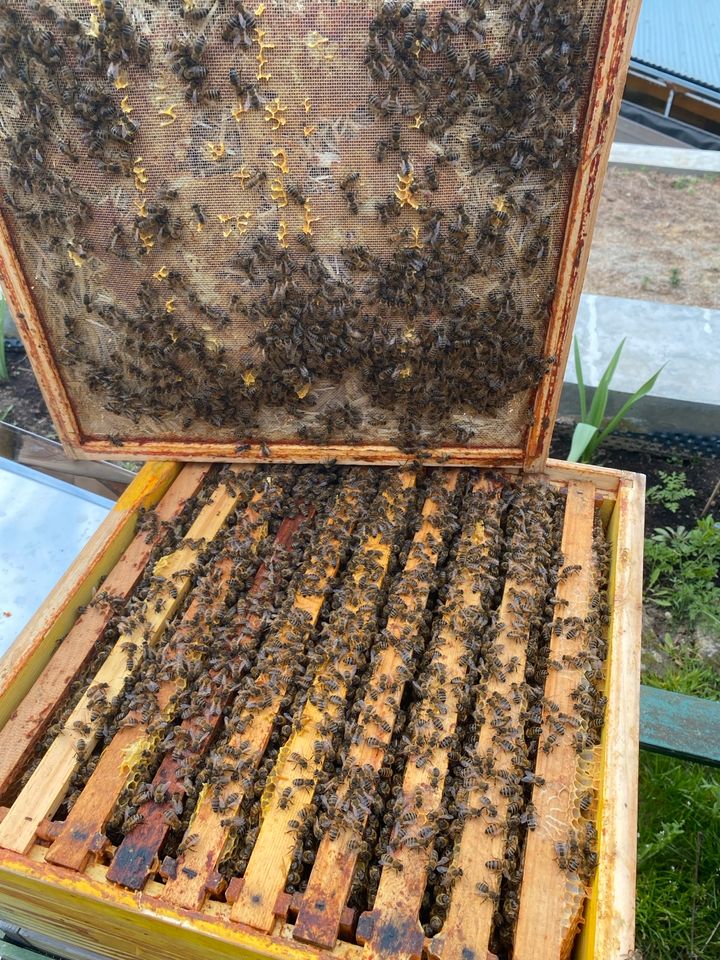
678	883
691	677
675	278
682	183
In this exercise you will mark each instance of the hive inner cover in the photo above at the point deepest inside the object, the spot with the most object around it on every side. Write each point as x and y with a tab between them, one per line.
316	222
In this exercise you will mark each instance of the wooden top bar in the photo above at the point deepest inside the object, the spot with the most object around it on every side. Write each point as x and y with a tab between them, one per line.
500	749
125	752
272	853
552	894
392	929
137	855
29	720
256	717
318	920
47	786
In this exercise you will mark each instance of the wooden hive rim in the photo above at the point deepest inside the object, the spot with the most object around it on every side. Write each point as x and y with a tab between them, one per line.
152	902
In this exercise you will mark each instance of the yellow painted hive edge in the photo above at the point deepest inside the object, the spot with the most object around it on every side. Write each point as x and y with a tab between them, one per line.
118	924
30	652
608	932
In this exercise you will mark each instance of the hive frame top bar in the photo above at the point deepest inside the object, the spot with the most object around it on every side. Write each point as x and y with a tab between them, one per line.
610	932
603	104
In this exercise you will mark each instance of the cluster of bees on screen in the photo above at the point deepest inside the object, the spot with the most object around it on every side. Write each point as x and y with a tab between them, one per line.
418	266
243	652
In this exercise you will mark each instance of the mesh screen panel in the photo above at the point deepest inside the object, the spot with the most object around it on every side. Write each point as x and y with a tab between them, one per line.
325	222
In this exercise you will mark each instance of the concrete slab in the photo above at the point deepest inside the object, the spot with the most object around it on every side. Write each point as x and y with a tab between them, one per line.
670	159
688	338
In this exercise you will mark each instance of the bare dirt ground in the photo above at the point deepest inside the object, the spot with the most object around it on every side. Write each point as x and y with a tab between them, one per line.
657	238
21	402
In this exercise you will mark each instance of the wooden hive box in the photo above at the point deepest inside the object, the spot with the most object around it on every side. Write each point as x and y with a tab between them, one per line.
173	275
55	872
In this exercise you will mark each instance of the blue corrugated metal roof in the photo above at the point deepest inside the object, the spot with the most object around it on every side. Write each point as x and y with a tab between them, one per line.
681	37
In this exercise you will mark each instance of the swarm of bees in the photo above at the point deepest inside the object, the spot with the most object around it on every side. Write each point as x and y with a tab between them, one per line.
244	644
218	239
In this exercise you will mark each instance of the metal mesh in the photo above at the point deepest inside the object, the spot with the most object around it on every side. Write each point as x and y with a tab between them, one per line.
314	221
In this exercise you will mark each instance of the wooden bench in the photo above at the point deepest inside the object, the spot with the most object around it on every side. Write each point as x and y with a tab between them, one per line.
680	726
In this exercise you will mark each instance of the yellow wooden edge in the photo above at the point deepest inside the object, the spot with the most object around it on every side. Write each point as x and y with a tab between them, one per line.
120	924
26	658
605	479
151	482
593	936
615	927
585	946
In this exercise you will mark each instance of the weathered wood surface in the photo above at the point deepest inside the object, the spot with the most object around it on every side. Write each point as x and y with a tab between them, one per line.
83	827
17	290
329	885
392	929
361	454
680	726
28	655
48	784
552	893
30	886
136	856
605	96
29	720
500	748
270	861
256	715
610	916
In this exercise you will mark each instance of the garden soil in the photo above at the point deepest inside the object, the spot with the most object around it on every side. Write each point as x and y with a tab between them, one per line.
656	238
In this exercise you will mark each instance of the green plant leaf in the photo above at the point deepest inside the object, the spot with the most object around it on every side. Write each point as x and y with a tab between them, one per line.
670	491
682	572
582	435
600	399
629	403
580	381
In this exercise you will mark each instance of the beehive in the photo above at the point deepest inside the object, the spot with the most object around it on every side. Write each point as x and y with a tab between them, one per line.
329	710
224	758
